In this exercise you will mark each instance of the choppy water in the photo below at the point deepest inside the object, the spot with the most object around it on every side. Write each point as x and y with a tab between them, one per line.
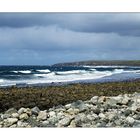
16	75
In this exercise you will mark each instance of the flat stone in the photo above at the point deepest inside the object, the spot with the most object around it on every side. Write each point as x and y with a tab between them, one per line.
23	116
35	110
11	110
10	121
5	116
73	111
65	121
13	126
15	115
42	115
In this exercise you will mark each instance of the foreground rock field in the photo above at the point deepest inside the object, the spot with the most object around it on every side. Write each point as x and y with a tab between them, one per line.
99	111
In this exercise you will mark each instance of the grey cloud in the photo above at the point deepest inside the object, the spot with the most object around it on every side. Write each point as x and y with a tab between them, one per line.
121	23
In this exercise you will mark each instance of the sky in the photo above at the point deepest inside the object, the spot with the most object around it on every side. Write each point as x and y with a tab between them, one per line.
49	38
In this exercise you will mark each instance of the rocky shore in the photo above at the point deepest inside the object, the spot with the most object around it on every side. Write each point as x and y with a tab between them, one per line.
99	111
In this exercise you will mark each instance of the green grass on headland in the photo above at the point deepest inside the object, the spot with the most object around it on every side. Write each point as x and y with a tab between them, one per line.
102	62
46	97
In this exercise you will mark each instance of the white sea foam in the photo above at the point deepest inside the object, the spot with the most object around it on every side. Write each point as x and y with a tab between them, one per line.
1	80
44	71
71	72
118	71
25	71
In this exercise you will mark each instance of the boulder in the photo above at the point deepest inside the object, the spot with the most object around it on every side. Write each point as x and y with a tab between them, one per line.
10	121
130	120
35	110
10	111
64	122
22	110
23	116
94	100
42	115
79	105
15	115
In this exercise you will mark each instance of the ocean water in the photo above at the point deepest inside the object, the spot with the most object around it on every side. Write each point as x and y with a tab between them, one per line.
30	75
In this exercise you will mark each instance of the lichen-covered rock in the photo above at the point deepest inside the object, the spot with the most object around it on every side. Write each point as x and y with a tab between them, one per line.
23	116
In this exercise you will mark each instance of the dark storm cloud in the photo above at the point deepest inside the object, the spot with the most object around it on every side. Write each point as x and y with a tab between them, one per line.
121	23
55	37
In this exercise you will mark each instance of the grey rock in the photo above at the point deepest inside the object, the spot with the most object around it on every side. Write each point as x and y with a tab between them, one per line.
42	115
72	124
23	116
5	116
15	115
80	119
68	106
73	111
22	110
111	116
64	122
35	110
53	120
127	112
11	110
130	120
80	105
94	100
13	126
45	123
96	110
102	116
10	121
52	113
22	124
125	100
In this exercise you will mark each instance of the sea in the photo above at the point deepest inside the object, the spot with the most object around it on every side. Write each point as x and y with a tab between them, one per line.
57	75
